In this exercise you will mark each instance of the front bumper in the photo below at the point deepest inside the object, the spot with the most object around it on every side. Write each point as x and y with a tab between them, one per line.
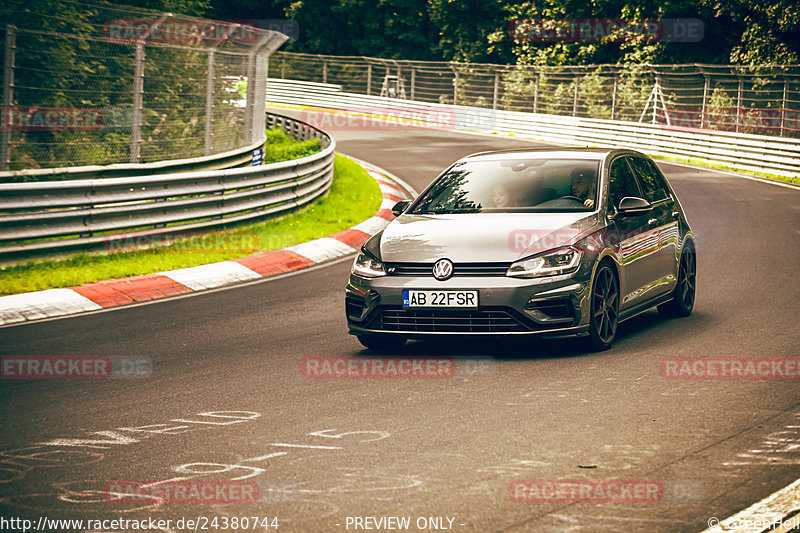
548	307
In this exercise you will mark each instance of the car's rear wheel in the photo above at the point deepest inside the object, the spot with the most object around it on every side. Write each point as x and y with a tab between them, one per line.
381	342
682	302
604	307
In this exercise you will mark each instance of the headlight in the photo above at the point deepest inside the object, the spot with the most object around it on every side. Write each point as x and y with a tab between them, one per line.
561	261
365	266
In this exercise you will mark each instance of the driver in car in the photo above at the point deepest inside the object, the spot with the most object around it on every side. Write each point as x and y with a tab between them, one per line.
582	186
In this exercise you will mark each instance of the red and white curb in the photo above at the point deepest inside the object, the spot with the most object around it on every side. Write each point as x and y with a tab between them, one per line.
103	294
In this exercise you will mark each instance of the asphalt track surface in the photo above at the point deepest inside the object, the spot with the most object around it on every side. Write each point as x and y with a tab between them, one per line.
544	410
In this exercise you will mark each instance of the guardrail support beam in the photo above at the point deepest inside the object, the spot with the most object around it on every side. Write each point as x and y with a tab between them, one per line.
209	147
8	97
138	97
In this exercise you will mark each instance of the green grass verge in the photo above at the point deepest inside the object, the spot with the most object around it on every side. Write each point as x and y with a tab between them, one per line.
353	197
700	162
281	147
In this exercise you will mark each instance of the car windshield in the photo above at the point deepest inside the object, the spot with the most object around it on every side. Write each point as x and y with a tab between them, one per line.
513	185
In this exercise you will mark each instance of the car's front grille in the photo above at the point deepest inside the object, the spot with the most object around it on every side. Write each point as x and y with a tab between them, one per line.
459	269
445	320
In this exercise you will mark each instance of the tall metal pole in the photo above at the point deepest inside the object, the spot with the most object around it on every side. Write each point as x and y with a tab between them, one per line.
496	89
210	102
455	87
783	107
8	97
614	98
138	90
575	97
138	97
705	100
739	106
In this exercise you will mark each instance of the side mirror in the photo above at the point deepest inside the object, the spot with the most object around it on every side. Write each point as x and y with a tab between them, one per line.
399	207
631	206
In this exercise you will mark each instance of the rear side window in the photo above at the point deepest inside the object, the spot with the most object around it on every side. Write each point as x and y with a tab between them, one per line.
621	182
653	185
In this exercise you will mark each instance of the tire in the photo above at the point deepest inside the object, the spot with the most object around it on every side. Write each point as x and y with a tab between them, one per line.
604	309
381	342
682	302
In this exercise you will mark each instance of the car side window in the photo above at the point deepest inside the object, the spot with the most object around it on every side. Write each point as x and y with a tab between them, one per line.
621	182
653	185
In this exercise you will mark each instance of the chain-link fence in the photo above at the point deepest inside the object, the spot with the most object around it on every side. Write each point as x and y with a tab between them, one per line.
90	84
763	99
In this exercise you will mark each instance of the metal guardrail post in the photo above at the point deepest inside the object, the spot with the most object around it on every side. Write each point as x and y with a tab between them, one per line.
783	107
703	119
249	98
739	106
209	138
614	97
138	97
369	79
8	97
455	87
577	83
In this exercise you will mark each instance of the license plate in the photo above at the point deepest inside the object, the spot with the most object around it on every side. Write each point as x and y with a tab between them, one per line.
463	299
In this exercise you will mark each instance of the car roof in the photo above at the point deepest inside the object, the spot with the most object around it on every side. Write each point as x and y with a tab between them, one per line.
589	154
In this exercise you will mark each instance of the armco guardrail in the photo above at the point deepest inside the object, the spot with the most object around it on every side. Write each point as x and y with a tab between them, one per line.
777	155
39	215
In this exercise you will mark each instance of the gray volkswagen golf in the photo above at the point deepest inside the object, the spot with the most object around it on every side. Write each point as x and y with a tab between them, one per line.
537	242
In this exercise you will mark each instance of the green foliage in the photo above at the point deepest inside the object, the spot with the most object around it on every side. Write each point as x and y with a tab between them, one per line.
519	87
742	31
281	147
594	94
721	111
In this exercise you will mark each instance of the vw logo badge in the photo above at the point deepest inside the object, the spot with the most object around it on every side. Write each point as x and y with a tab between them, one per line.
442	269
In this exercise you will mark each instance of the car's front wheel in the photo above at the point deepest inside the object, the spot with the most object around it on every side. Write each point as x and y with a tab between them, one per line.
682	302
381	342
604	308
